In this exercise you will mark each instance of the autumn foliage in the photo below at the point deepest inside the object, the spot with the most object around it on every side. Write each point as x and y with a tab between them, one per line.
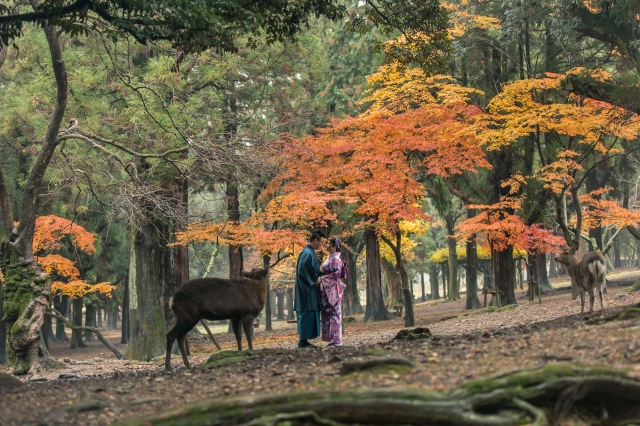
50	234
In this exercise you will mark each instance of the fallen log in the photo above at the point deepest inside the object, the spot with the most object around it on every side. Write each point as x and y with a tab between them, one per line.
598	394
54	313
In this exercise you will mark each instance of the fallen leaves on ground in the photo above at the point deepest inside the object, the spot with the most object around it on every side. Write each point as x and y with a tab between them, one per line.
461	349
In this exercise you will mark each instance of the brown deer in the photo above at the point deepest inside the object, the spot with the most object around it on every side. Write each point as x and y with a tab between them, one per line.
589	273
240	300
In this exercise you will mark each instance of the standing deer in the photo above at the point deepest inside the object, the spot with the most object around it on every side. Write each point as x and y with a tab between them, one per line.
240	300
589	273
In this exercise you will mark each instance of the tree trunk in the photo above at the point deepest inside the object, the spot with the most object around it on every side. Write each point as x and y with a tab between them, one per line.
27	291
146	319
89	317
413	297
487	282
375	309
471	268
76	335
99	318
112	315
290	314
407	295
454	285
424	296
553	268
543	277
280	305
444	280
3	328
174	269
505	275
433	281
268	326
233	213
394	286
125	331
617	262
352	303
61	304
47	331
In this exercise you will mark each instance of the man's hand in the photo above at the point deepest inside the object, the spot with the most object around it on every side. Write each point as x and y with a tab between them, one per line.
318	282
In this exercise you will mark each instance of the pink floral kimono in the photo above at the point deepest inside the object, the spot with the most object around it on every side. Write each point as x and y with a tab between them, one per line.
332	289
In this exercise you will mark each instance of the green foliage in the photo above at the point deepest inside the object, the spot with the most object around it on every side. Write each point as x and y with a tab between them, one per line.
191	26
420	27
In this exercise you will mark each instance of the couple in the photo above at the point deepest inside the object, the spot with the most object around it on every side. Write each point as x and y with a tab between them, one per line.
320	288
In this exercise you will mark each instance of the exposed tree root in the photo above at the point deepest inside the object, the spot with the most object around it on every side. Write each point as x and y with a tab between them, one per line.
52	312
628	313
539	397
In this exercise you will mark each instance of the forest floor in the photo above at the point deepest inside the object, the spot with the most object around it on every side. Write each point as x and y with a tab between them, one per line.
91	387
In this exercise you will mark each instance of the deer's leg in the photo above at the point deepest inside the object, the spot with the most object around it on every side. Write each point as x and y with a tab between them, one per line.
600	291
171	337
183	350
591	299
235	324
581	291
247	324
179	331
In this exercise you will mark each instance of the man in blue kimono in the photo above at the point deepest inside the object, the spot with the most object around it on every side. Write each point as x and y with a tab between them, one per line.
308	296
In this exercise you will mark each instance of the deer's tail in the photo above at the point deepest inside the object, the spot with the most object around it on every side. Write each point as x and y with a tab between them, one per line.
598	269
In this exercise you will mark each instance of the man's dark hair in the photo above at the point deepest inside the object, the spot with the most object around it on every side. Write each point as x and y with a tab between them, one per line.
315	236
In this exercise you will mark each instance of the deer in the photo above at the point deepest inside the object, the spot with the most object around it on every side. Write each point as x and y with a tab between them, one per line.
589	273
239	300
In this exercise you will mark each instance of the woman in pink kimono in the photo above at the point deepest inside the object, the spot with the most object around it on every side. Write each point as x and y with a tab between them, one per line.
332	272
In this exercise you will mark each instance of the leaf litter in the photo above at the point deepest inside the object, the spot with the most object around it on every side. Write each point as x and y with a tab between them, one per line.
100	390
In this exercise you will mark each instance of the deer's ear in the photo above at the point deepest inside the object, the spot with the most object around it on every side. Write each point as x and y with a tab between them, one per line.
575	246
246	274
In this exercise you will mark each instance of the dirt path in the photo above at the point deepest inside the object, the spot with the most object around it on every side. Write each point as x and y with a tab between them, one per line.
463	348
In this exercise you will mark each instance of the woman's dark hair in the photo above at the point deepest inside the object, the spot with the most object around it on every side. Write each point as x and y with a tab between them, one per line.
335	241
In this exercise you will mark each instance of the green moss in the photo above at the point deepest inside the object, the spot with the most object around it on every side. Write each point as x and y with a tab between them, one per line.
484	310
629	313
375	371
377	352
533	377
21	286
18	290
509	307
409	334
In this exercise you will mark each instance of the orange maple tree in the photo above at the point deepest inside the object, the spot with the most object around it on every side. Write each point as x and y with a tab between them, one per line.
500	225
50	233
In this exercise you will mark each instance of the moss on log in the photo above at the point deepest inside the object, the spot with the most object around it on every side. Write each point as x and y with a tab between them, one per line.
628	313
413	334
537	396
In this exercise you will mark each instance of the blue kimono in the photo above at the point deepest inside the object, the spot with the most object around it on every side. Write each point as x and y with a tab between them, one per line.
308	297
